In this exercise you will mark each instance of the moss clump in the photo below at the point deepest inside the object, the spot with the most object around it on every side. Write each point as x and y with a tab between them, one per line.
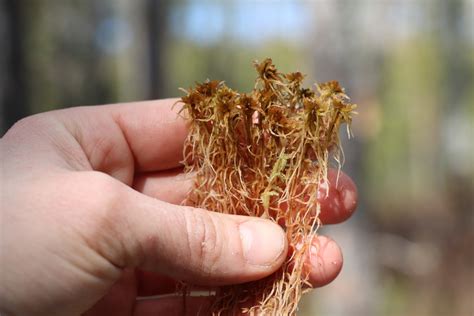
265	154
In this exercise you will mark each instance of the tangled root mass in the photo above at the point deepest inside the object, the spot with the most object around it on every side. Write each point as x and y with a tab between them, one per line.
265	154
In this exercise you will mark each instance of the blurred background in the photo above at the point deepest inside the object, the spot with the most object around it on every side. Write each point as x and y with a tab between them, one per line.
408	64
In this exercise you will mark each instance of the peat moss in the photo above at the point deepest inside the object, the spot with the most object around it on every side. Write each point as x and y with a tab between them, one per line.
265	154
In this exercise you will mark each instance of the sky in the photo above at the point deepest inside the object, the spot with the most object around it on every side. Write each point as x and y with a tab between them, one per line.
208	22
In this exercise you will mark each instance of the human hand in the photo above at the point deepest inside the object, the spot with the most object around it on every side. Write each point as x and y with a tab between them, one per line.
90	218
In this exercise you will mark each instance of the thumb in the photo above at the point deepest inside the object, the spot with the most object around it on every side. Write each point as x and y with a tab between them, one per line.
193	244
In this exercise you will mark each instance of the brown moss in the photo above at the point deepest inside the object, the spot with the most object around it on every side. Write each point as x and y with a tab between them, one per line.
265	154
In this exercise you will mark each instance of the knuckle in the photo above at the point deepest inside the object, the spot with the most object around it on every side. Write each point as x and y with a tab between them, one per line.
98	194
106	189
105	216
32	124
102	180
204	242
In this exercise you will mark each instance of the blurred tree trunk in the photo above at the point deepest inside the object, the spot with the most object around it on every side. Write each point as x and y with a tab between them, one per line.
156	13
141	70
13	96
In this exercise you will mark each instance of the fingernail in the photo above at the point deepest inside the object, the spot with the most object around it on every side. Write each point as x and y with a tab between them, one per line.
326	261
262	242
349	200
328	249
347	194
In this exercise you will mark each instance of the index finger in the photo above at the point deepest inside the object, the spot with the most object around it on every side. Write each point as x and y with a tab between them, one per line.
155	132
337	204
135	137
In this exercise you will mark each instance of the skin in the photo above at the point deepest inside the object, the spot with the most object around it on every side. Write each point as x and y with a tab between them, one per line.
90	218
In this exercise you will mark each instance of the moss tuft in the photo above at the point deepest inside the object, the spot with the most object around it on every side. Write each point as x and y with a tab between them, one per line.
265	154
